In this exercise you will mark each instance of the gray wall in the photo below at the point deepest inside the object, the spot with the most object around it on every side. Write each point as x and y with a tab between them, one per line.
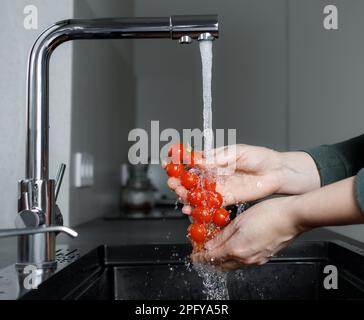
91	100
326	78
103	111
15	45
279	77
249	74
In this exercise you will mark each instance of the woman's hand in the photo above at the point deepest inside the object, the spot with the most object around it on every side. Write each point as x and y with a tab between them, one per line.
254	236
252	173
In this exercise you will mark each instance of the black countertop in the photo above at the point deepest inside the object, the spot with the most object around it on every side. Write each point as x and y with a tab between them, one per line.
138	231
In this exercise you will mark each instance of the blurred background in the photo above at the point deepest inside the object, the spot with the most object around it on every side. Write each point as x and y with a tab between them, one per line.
279	78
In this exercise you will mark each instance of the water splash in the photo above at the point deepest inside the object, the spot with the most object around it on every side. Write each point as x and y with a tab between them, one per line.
214	282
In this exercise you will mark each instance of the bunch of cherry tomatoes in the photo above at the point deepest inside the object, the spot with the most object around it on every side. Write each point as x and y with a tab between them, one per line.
208	215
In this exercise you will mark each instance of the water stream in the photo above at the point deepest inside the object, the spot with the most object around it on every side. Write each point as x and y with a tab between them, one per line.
206	58
214	282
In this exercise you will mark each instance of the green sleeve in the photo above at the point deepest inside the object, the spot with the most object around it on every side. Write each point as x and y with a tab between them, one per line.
359	189
339	161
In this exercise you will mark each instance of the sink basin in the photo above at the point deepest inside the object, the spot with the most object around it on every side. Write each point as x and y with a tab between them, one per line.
161	272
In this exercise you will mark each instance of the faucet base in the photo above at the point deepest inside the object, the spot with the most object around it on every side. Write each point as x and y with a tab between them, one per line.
37	250
21	267
37	209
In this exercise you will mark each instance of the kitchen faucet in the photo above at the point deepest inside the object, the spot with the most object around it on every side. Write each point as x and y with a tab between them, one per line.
39	218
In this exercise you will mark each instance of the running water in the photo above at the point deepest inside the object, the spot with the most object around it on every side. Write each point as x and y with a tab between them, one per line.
206	58
214	282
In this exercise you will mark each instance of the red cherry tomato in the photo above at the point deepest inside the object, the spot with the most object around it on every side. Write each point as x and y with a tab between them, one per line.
174	170
209	183
196	197
213	199
176	152
202	214
189	180
193	158
197	232
221	217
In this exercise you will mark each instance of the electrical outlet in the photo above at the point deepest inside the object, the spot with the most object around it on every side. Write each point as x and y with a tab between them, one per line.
84	170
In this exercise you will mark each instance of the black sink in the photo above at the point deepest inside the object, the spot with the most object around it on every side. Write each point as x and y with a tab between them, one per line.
161	272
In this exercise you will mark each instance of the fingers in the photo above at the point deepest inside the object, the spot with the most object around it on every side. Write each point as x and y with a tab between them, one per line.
228	196
218	255
187	209
181	193
173	183
221	237
231	265
228	265
164	163
219	157
229	262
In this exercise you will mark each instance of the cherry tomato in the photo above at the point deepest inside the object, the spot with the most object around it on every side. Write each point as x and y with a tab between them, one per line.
196	197
189	180
202	214
213	199
221	217
193	158
209	183
197	232
174	170
176	152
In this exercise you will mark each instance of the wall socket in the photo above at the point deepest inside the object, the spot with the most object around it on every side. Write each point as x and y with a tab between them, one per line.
84	170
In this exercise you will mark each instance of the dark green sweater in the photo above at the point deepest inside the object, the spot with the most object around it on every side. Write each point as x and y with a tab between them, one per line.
342	160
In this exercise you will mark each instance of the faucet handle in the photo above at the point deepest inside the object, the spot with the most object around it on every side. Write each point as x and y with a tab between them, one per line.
5	233
29	218
59	179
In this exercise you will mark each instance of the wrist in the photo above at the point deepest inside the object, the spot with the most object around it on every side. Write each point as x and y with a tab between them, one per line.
298	173
292	218
285	173
297	212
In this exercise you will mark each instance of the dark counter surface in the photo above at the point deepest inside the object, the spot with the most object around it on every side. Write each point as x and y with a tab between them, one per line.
137	231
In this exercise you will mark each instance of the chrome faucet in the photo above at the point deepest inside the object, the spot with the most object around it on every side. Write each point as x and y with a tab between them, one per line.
39	218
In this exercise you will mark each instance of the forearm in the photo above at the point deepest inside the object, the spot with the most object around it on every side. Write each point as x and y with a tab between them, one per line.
298	173
332	205
305	171
338	161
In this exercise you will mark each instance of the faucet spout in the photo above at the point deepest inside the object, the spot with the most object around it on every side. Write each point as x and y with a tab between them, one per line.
174	27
